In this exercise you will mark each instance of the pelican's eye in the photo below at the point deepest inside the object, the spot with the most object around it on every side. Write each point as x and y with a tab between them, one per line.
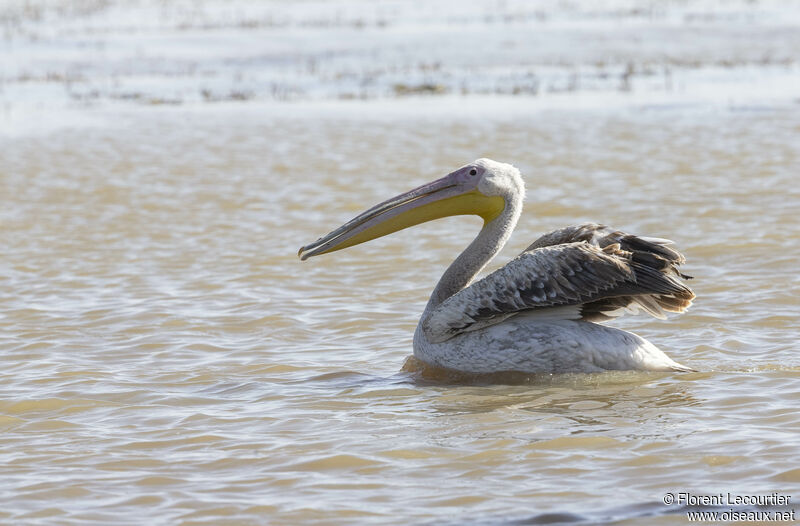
473	172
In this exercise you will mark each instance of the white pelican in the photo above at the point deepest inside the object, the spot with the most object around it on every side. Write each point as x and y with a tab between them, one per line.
538	313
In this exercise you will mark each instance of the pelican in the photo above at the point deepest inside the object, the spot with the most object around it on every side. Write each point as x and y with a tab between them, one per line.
542	311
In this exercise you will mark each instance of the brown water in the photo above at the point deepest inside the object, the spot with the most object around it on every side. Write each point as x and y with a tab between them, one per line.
166	358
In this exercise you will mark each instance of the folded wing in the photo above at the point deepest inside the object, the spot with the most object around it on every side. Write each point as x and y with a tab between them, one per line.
587	271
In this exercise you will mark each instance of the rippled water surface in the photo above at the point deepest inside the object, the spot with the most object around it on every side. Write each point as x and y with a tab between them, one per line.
166	355
165	358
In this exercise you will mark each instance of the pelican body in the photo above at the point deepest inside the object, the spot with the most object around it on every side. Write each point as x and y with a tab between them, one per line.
542	311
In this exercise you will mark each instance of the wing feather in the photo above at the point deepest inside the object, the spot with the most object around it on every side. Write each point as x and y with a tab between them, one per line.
599	271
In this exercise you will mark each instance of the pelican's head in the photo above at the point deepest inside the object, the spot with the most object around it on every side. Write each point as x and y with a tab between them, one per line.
483	188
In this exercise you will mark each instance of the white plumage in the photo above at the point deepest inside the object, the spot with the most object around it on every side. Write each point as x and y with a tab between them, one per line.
539	312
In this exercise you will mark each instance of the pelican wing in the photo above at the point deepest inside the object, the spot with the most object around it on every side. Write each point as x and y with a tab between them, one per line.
585	272
603	236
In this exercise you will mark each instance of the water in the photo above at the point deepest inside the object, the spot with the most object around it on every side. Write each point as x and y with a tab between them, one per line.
166	358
